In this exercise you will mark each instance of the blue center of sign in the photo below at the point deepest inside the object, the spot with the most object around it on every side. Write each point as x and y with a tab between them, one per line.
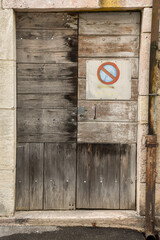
110	69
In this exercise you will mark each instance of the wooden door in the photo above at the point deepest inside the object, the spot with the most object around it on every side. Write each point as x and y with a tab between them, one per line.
107	129
65	161
46	110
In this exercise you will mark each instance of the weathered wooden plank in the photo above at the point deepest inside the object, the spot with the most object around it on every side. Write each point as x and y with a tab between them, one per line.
44	49
39	72
39	57
47	20
134	89
59	176
46	35
112	23
82	89
46	86
98	176
103	111
55	100
50	125
46	40
107	132
108	46
127	176
36	175
22	177
82	66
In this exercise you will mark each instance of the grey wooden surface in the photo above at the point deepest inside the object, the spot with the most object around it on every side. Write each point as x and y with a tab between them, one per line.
60	166
47	110
106	176
22	177
128	177
59	176
36	175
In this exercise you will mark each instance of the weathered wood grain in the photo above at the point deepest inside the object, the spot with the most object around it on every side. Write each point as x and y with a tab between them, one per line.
59	176
38	56
35	125
44	50
47	20
107	132
39	72
22	177
98	176
127	176
134	89
82	66
47	86
47	101
103	111
55	100
36	175
103	23
45	35
47	40
108	46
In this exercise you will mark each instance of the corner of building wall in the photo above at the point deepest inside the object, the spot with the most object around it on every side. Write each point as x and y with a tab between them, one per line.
7	111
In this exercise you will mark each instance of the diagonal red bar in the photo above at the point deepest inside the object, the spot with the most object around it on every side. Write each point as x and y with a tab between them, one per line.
108	73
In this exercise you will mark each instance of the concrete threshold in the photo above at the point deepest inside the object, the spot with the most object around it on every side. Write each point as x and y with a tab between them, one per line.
87	218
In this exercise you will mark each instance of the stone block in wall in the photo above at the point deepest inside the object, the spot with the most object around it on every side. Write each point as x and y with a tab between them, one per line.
144	64
141	152
143	109
7	84
126	4
146	20
7	192
7	139
7	36
141	198
51	4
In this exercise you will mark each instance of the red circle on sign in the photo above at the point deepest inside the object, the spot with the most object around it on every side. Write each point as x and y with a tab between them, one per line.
101	67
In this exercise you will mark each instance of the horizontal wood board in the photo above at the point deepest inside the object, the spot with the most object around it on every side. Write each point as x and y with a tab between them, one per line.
110	23
107	111
107	132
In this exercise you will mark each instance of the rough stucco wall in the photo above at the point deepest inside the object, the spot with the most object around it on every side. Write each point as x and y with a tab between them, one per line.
7	111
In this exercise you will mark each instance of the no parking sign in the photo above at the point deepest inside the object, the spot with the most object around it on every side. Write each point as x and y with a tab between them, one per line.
108	79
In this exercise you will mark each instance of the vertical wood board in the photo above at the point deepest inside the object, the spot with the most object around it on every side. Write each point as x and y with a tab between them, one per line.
59	176
36	175
22	177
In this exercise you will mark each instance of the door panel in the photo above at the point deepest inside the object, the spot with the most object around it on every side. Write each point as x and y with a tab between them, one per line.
47	110
98	176
106	176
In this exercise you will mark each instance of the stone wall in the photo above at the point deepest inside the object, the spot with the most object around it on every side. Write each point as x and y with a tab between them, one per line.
7	111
